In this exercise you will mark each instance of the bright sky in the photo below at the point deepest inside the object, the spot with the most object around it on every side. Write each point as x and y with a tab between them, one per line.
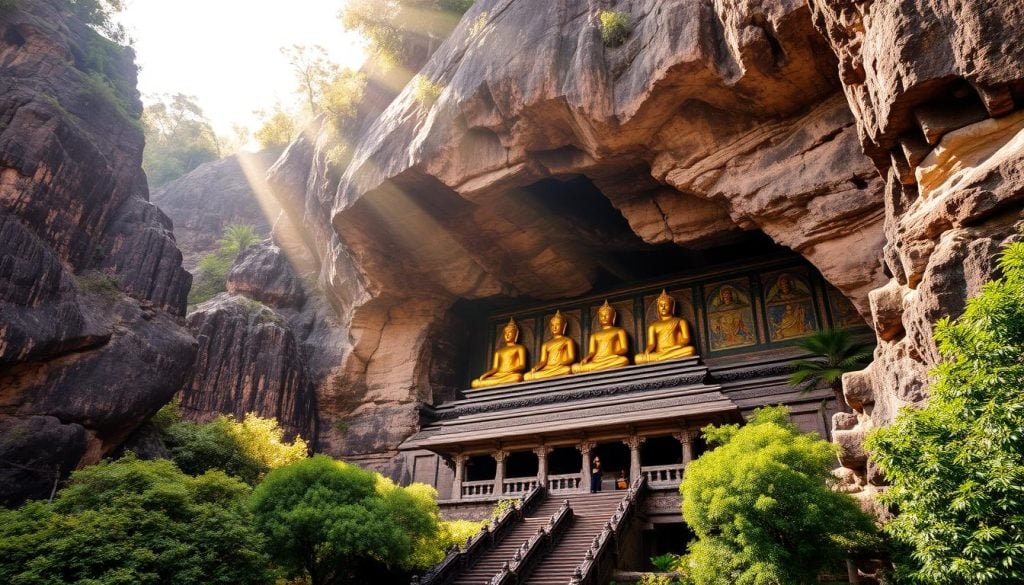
227	53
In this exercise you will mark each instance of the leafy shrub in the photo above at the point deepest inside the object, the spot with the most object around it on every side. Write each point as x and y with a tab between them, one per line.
133	521
956	466
246	450
331	522
502	506
98	283
615	27
666	562
213	268
425	91
762	509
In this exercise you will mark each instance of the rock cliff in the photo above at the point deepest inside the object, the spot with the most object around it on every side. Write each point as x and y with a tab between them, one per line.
92	291
936	91
712	119
231	190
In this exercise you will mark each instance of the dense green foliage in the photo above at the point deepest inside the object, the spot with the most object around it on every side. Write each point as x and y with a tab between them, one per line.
131	521
331	522
214	268
179	138
836	353
399	30
277	129
99	14
761	506
957	465
615	27
246	450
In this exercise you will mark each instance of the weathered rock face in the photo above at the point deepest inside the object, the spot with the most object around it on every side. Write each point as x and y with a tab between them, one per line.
936	93
712	118
231	190
248	361
91	284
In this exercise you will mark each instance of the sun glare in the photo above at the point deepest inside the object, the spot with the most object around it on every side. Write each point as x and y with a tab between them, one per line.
228	53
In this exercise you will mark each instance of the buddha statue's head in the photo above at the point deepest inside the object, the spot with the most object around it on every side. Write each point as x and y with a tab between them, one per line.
665	304
557	324
511	332
606	314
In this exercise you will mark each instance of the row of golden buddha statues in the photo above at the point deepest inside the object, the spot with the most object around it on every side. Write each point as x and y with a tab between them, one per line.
668	338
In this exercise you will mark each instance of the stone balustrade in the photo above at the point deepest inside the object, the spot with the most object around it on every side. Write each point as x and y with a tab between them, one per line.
478	489
663	476
515	486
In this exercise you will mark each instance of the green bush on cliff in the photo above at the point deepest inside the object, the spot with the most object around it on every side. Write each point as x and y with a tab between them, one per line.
132	521
247	449
179	138
330	522
615	27
762	509
214	268
956	466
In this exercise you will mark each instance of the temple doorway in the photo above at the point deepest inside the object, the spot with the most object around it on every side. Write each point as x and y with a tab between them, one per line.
564	460
521	464
480	468
661	451
614	460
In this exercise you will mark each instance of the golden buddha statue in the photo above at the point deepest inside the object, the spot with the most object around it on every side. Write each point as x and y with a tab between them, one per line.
509	361
557	354
608	347
668	338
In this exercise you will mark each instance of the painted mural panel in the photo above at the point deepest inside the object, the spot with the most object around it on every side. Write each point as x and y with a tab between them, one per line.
730	315
789	305
843	312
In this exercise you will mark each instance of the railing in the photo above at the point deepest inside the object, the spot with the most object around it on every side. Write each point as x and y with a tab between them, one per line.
478	489
489	536
526	557
663	476
601	555
515	486
560	484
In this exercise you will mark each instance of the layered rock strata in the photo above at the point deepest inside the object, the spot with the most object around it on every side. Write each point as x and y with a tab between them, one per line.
231	190
250	359
936	91
91	286
712	118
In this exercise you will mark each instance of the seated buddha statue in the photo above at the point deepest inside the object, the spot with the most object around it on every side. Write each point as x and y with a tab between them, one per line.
509	361
557	354
608	347
668	338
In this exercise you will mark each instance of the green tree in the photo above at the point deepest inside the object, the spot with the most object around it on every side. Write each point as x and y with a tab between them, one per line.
762	508
213	268
835	353
179	138
400	30
99	14
331	522
133	521
246	450
277	129
956	466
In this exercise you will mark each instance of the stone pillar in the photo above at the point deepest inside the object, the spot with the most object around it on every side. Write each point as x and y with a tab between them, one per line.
542	465
460	471
634	442
499	473
685	438
585	448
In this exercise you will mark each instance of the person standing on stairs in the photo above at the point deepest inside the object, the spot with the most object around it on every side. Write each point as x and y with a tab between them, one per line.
595	475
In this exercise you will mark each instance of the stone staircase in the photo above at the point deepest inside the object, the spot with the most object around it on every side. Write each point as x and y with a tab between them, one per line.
590	513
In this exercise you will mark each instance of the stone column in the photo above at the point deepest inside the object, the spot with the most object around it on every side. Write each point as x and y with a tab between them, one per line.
634	442
460	471
499	473
685	438
542	465
585	448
